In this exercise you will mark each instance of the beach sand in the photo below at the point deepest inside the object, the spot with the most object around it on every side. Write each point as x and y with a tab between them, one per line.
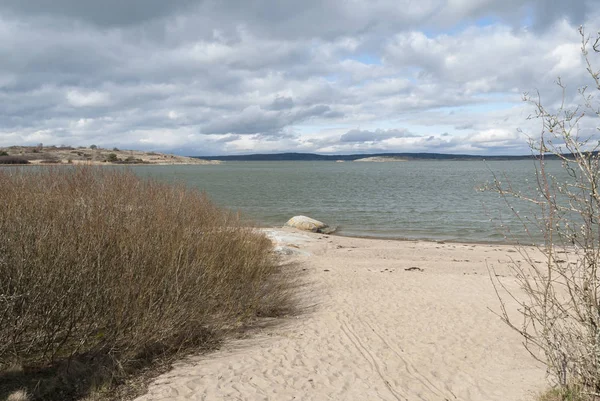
372	330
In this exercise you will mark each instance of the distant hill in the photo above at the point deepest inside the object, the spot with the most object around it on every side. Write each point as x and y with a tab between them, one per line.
405	156
89	155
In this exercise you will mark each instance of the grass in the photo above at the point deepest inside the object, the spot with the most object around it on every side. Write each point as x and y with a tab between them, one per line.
566	394
104	273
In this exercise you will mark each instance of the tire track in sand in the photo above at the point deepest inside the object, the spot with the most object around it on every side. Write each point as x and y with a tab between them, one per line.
410	368
364	351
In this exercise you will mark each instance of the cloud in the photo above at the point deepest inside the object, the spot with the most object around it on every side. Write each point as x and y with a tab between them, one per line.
282	103
106	12
90	99
207	76
374	136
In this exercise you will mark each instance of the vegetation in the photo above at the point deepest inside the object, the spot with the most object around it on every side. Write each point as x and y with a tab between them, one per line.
563	394
4	159
103	272
62	154
559	303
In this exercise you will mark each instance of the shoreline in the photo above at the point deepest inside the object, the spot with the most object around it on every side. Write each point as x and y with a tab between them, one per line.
440	241
379	319
407	239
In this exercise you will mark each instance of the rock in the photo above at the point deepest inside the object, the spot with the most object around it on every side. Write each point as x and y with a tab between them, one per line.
308	224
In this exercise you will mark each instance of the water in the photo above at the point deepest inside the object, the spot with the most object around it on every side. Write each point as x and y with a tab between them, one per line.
436	200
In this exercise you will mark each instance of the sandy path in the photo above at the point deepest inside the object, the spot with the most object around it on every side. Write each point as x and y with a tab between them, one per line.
376	332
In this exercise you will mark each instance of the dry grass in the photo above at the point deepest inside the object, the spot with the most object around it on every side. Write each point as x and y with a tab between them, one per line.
562	394
103	272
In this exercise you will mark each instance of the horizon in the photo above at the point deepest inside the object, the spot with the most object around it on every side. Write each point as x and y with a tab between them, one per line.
205	78
108	148
361	154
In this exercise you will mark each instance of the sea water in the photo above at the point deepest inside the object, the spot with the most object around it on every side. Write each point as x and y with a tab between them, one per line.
435	200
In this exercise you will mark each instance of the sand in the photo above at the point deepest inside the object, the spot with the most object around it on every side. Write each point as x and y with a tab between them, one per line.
372	330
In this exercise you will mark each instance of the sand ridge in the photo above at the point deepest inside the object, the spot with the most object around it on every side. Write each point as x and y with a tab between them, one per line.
373	330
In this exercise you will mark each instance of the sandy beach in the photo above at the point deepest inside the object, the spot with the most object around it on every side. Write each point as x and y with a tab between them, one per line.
381	320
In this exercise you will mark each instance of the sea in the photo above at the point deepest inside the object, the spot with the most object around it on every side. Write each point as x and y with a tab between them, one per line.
430	200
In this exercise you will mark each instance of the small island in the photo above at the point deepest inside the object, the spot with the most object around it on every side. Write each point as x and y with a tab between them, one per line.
380	159
90	155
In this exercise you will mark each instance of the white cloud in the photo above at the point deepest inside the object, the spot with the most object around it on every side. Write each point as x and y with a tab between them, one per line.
78	98
335	76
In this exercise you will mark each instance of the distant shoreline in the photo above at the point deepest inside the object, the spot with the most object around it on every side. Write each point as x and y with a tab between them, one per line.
386	156
93	155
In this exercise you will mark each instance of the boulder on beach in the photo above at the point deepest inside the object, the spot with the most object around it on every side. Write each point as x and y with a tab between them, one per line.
308	224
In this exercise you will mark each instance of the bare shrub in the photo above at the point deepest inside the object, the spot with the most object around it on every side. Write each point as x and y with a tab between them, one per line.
13	160
100	266
50	159
559	301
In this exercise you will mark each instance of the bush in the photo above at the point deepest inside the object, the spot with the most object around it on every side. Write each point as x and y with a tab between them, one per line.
112	157
560	300
98	265
13	160
3	153
50	159
130	160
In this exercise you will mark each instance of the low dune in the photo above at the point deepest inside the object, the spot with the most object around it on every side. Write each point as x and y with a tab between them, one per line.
382	320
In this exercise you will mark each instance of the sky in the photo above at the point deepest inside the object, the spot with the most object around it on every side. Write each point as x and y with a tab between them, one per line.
216	77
